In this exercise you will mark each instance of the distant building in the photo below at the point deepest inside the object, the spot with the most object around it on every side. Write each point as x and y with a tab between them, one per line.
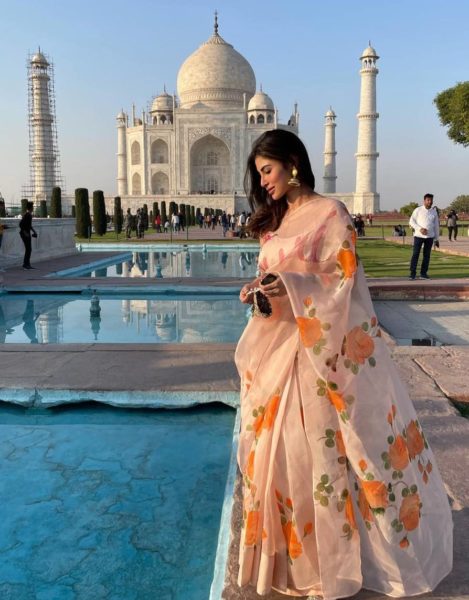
193	148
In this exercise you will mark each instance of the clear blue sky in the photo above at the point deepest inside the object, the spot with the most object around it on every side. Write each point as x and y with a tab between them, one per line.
110	54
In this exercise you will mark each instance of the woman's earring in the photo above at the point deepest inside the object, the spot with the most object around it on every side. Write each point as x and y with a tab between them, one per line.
294	181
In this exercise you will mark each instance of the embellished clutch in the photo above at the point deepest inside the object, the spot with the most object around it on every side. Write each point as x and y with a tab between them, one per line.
261	306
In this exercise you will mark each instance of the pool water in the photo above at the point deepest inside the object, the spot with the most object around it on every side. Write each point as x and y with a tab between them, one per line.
66	318
174	263
105	503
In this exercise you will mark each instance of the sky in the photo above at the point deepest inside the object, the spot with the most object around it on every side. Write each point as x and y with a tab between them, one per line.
108	55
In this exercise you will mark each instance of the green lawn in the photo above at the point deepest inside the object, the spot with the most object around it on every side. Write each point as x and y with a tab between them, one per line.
385	259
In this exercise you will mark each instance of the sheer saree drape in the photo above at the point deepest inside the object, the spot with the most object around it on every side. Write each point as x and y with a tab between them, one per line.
341	490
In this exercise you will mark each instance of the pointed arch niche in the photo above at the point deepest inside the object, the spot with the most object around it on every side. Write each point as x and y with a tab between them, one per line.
210	166
159	183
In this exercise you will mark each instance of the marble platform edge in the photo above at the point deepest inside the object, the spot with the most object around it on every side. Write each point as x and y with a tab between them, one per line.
166	245
224	533
50	398
147	289
95	264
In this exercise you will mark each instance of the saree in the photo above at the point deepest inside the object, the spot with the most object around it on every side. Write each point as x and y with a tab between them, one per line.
340	487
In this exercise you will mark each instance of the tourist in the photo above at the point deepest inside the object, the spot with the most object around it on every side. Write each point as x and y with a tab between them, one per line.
27	231
140	222
166	226
158	223
233	222
224	223
175	222
340	488
452	224
426	225
128	224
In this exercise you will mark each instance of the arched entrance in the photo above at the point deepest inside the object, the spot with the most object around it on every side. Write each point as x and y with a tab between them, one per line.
210	167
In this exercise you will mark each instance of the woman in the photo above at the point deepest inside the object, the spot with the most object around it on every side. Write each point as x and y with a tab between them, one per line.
340	487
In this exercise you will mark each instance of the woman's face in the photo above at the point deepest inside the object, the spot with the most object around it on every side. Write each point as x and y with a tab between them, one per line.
274	176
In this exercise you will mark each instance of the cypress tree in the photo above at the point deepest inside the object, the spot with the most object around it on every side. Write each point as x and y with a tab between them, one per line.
99	212
117	214
43	209
74	212
3	212
187	215
156	212
82	207
193	215
56	203
164	216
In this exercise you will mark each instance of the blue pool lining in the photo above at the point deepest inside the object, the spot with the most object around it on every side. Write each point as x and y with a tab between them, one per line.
224	533
48	398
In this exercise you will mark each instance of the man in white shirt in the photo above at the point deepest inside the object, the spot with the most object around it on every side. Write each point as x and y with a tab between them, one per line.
426	225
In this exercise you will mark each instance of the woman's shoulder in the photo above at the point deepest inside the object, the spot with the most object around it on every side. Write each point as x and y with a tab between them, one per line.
328	204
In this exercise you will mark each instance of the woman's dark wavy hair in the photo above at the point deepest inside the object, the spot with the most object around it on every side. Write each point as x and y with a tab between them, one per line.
287	148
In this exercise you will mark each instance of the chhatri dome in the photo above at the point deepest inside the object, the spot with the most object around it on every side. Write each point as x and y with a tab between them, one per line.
215	75
162	102
261	101
369	52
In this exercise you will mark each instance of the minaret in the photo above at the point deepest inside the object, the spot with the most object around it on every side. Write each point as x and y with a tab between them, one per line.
329	153
44	155
366	199
121	154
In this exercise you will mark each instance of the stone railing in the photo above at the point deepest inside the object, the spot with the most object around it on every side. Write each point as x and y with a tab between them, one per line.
55	237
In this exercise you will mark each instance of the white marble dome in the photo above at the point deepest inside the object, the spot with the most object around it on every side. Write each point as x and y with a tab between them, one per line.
260	101
215	75
162	102
39	59
369	52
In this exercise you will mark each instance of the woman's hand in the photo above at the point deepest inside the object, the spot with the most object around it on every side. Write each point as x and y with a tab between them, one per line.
276	289
245	295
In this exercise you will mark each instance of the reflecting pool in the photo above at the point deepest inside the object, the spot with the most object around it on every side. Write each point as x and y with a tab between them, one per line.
174	263
68	318
110	503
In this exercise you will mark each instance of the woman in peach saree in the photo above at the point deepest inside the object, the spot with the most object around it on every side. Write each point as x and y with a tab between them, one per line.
340	488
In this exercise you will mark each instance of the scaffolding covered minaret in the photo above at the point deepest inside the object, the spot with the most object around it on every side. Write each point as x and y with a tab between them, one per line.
44	160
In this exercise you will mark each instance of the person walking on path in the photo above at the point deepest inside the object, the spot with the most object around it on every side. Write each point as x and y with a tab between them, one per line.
426	225
452	225
26	227
128	224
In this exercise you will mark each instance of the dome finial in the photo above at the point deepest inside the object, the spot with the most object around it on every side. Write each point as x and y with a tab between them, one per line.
261	87
369	42
164	88
216	23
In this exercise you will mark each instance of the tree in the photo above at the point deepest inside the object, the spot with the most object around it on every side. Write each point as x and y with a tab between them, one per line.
117	214
164	216
82	208
460	204
99	212
56	203
408	209
43	209
3	212
453	111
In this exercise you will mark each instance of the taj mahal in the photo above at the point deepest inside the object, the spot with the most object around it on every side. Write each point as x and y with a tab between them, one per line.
193	147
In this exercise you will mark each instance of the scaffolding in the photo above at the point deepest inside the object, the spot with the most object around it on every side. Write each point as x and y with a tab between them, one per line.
44	157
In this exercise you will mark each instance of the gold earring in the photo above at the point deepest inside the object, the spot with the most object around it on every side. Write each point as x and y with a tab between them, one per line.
294	181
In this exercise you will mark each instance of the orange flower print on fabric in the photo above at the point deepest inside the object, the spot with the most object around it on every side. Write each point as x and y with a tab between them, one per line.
252	524
399	454
258	422
310	330
354	237
308	529
248	379
308	301
349	512
415	441
362	464
339	440
336	400
404	543
294	546
409	512
359	345
363	506
289	503
347	261
271	411
376	493
250	465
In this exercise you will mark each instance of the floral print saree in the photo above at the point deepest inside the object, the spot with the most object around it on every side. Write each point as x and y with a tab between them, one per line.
341	489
